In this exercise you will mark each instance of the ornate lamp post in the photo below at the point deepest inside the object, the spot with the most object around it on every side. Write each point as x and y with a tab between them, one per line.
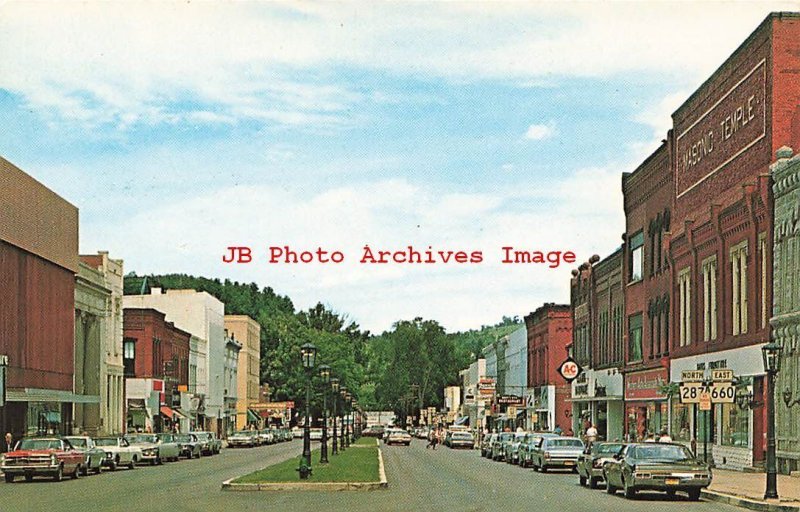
342	393
771	354
414	401
356	433
352	418
308	352
347	403
335	397
325	375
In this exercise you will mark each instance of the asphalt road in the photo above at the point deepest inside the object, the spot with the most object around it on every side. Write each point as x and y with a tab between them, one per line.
419	479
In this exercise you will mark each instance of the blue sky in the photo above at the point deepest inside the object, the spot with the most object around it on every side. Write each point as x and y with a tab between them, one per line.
181	128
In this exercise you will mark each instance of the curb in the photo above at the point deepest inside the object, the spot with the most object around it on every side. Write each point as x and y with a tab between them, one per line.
747	503
228	485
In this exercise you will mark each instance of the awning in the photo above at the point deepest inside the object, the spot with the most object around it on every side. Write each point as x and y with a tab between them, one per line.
171	413
463	420
252	416
595	399
49	395
136	404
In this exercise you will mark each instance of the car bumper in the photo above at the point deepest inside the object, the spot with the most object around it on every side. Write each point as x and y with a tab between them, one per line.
30	470
241	442
560	463
148	458
670	484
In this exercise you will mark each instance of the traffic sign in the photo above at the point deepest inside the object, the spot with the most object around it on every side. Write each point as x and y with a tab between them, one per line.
717	392
511	411
692	376
721	375
705	401
690	392
570	369
723	393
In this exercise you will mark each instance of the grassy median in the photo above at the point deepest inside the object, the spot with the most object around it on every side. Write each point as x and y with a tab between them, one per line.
355	464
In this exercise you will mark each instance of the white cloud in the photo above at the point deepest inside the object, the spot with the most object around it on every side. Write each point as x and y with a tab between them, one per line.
540	131
136	62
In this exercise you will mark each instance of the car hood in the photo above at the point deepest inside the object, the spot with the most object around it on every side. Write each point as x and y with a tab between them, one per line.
666	465
144	445
28	453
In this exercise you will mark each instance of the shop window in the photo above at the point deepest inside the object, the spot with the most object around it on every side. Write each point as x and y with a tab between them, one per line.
635	338
636	257
735	425
762	246
710	299
685	303
129	357
681	422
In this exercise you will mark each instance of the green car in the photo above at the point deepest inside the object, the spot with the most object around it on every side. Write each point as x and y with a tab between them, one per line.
93	455
591	462
667	467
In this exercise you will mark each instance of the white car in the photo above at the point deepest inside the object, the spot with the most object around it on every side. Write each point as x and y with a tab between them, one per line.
118	452
297	432
316	434
398	436
244	438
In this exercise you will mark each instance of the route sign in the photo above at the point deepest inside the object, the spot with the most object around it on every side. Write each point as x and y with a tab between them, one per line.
717	392
570	369
690	392
723	393
693	376
721	375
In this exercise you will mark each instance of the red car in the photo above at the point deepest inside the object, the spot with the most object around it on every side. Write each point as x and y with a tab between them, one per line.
42	456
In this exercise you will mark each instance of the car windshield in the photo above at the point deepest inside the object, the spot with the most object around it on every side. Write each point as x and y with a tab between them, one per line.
143	438
77	442
400	433
669	452
39	444
106	441
166	438
183	438
520	436
462	435
606	448
564	443
506	436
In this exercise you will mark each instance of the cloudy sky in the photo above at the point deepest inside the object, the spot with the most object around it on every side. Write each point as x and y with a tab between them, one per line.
179	129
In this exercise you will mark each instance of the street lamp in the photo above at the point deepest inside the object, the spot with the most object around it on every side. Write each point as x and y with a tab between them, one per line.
335	389
325	375
342	393
415	401
771	354
308	354
356	434
347	402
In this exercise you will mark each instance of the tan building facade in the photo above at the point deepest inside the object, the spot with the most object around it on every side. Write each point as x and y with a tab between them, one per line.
247	332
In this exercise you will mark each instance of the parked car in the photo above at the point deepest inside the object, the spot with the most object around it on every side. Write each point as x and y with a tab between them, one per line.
92	455
374	431
266	436
42	456
297	432
118	452
398	436
459	440
561	452
530	443
316	434
210	444
189	445
244	438
667	467
511	448
498	445
486	444
591	461
147	443
168	449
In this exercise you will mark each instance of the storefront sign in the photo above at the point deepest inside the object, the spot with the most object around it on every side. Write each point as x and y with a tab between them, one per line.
510	400
645	385
705	401
723	132
569	369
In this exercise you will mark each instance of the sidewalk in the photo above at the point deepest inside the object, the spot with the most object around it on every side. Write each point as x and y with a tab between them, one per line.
747	490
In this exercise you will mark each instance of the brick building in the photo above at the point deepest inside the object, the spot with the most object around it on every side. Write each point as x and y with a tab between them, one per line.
248	332
549	332
154	348
646	277
597	303
723	139
38	263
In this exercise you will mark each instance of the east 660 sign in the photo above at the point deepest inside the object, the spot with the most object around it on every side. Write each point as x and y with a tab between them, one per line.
570	369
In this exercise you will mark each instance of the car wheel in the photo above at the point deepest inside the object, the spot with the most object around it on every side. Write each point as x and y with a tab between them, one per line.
86	469
694	494
671	493
59	474
543	469
98	469
581	480
132	463
28	478
78	471
630	492
10	478
610	489
592	483
113	465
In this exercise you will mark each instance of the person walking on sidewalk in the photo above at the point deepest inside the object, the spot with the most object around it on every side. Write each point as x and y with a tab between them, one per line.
8	444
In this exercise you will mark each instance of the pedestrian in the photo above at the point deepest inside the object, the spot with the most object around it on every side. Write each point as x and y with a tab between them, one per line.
665	437
591	434
8	444
558	430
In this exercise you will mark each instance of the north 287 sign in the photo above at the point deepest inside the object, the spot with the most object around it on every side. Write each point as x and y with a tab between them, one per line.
570	369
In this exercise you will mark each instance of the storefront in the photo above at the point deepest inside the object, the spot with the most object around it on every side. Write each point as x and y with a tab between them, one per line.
541	408
646	406
729	431
597	400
